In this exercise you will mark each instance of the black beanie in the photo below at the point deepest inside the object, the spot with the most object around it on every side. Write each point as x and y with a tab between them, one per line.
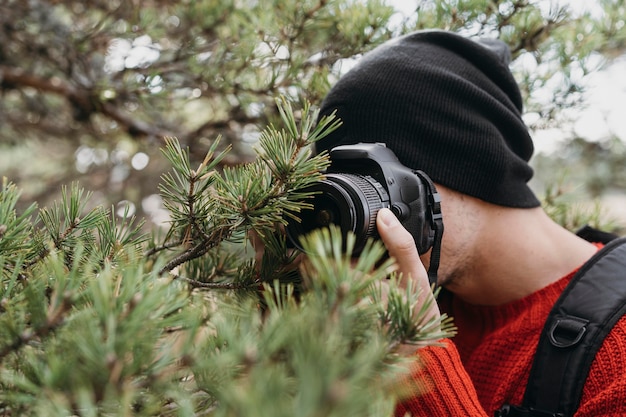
446	105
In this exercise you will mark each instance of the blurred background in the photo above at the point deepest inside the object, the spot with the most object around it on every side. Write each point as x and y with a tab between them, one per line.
89	89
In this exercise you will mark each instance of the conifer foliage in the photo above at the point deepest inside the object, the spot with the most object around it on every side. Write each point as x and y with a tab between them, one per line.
97	318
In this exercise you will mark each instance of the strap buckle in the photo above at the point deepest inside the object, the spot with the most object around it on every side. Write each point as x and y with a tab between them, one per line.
567	331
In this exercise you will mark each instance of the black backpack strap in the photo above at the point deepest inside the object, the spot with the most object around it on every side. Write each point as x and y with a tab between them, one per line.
583	315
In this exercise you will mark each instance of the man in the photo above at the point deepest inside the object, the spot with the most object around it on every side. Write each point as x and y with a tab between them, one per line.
450	107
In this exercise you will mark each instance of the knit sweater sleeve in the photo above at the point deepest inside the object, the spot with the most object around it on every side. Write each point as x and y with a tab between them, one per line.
438	385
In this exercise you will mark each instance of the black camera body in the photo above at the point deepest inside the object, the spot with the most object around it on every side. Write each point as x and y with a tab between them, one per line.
361	179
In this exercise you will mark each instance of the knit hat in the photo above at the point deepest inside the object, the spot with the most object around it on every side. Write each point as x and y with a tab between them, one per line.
446	105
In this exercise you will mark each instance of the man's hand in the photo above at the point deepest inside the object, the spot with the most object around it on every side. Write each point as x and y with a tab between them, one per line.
401	247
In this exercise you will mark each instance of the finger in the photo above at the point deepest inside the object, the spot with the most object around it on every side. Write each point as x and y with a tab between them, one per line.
401	246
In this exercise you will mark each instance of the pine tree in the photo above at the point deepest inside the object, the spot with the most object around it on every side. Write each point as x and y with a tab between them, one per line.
98	318
85	86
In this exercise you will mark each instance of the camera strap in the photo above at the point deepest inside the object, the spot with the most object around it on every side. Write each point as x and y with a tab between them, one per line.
436	225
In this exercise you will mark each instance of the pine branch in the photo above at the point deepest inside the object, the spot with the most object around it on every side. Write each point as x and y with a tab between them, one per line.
18	242
55	319
196	251
330	269
97	327
209	208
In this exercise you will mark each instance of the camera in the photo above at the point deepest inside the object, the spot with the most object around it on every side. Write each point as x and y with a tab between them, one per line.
360	180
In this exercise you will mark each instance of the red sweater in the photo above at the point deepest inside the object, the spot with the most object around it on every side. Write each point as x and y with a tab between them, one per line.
489	361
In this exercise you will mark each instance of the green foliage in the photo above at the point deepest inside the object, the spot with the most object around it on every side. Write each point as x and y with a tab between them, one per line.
582	179
334	351
13	226
97	319
567	209
86	86
209	208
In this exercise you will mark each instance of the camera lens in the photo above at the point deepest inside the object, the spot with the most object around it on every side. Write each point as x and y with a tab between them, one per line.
350	201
